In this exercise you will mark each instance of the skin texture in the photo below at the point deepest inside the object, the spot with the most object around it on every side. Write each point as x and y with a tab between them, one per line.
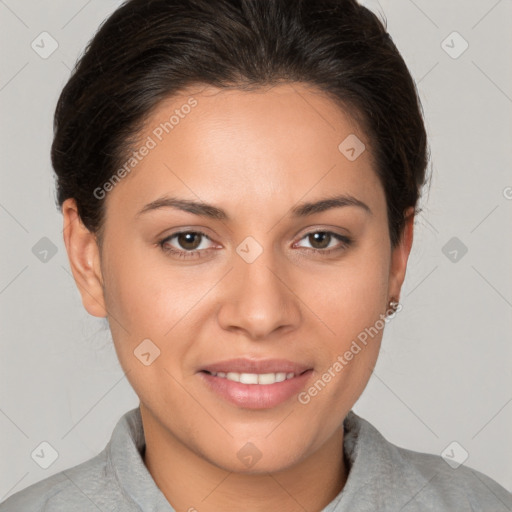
256	155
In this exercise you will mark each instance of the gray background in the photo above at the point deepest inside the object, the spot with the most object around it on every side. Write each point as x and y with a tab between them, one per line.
444	372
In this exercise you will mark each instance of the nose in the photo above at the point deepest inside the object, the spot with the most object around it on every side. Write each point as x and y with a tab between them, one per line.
258	297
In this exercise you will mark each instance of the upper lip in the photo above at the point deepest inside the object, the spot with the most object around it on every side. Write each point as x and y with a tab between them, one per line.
241	365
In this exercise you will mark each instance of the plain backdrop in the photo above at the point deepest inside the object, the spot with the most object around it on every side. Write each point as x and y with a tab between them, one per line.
444	373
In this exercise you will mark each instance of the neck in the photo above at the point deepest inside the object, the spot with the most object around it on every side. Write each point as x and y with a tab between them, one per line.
191	483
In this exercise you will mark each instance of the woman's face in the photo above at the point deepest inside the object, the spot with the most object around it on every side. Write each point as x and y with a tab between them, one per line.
256	276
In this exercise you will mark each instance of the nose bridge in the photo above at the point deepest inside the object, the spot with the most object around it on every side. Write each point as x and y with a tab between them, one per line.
255	263
257	300
255	267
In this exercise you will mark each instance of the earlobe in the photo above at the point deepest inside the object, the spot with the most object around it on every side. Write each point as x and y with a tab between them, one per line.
84	259
400	256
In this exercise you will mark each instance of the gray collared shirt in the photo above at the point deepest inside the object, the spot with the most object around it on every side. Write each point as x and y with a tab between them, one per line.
382	477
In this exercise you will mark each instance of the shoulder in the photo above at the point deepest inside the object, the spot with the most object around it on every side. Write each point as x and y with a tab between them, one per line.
397	478
77	488
95	484
36	496
458	487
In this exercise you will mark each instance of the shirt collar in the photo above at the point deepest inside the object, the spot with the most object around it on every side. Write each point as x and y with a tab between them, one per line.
125	458
379	477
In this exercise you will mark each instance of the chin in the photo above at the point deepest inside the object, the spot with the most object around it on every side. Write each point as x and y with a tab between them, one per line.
255	458
261	467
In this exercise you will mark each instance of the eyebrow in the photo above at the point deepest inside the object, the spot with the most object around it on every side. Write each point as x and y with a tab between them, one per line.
207	210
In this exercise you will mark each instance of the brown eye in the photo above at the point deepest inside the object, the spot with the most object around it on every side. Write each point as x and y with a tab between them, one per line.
321	242
186	244
320	239
189	240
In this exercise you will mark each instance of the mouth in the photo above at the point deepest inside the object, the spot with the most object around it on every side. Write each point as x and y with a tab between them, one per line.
253	384
246	366
263	379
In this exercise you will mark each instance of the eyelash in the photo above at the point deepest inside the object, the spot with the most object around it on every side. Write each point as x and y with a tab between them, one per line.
346	242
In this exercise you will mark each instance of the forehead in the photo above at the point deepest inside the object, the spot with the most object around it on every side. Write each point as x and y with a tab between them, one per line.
253	147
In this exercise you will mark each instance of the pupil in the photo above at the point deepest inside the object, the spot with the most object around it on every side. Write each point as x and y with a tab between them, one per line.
323	236
185	240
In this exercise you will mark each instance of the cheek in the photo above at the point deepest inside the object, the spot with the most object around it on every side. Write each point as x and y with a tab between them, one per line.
151	306
144	294
352	305
354	295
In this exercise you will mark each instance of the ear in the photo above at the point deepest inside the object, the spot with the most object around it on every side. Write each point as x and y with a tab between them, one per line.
400	256
84	259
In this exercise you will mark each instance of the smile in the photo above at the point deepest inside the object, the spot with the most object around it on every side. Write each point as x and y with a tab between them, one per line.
254	378
255	390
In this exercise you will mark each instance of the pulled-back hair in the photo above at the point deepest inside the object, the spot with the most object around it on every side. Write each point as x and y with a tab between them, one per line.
150	50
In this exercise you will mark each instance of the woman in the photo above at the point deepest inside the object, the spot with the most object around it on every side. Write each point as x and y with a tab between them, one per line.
239	181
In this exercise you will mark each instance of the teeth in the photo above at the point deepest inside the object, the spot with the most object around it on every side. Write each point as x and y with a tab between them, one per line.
255	378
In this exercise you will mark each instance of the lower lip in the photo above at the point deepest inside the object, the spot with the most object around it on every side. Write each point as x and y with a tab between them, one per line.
256	396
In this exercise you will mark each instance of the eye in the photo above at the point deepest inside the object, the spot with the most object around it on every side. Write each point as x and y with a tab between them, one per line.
191	241
321	241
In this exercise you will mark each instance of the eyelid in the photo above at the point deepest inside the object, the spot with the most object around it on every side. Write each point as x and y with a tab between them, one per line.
343	239
335	230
